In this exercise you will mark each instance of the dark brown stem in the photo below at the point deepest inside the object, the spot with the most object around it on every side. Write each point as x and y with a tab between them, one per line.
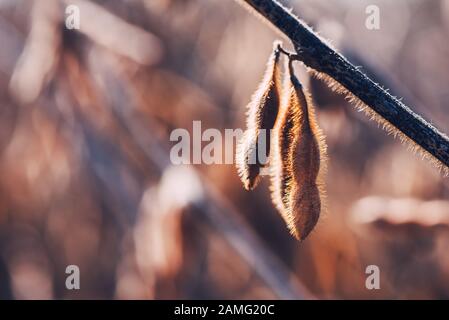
287	53
318	55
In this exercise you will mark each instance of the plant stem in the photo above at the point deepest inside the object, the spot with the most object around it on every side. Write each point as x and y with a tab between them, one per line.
318	55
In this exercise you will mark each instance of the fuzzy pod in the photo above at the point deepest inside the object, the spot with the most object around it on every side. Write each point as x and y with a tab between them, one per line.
297	190
247	166
253	150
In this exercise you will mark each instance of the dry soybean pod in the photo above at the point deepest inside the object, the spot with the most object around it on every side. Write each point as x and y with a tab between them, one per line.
261	116
301	155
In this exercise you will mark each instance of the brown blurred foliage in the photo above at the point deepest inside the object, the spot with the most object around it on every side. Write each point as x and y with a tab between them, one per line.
85	119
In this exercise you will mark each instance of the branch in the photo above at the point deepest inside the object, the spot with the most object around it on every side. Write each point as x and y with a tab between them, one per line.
377	102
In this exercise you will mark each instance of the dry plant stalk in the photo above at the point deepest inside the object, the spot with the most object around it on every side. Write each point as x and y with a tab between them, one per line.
299	160
254	148
326	63
40	56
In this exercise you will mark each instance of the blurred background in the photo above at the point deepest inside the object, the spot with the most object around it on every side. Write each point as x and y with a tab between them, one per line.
85	176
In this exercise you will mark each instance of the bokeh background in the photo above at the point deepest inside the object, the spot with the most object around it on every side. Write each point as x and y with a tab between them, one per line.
85	176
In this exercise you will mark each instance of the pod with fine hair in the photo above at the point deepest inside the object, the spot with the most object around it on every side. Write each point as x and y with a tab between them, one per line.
253	149
299	158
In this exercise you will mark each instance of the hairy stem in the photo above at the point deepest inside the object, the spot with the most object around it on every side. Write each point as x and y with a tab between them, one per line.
318	55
